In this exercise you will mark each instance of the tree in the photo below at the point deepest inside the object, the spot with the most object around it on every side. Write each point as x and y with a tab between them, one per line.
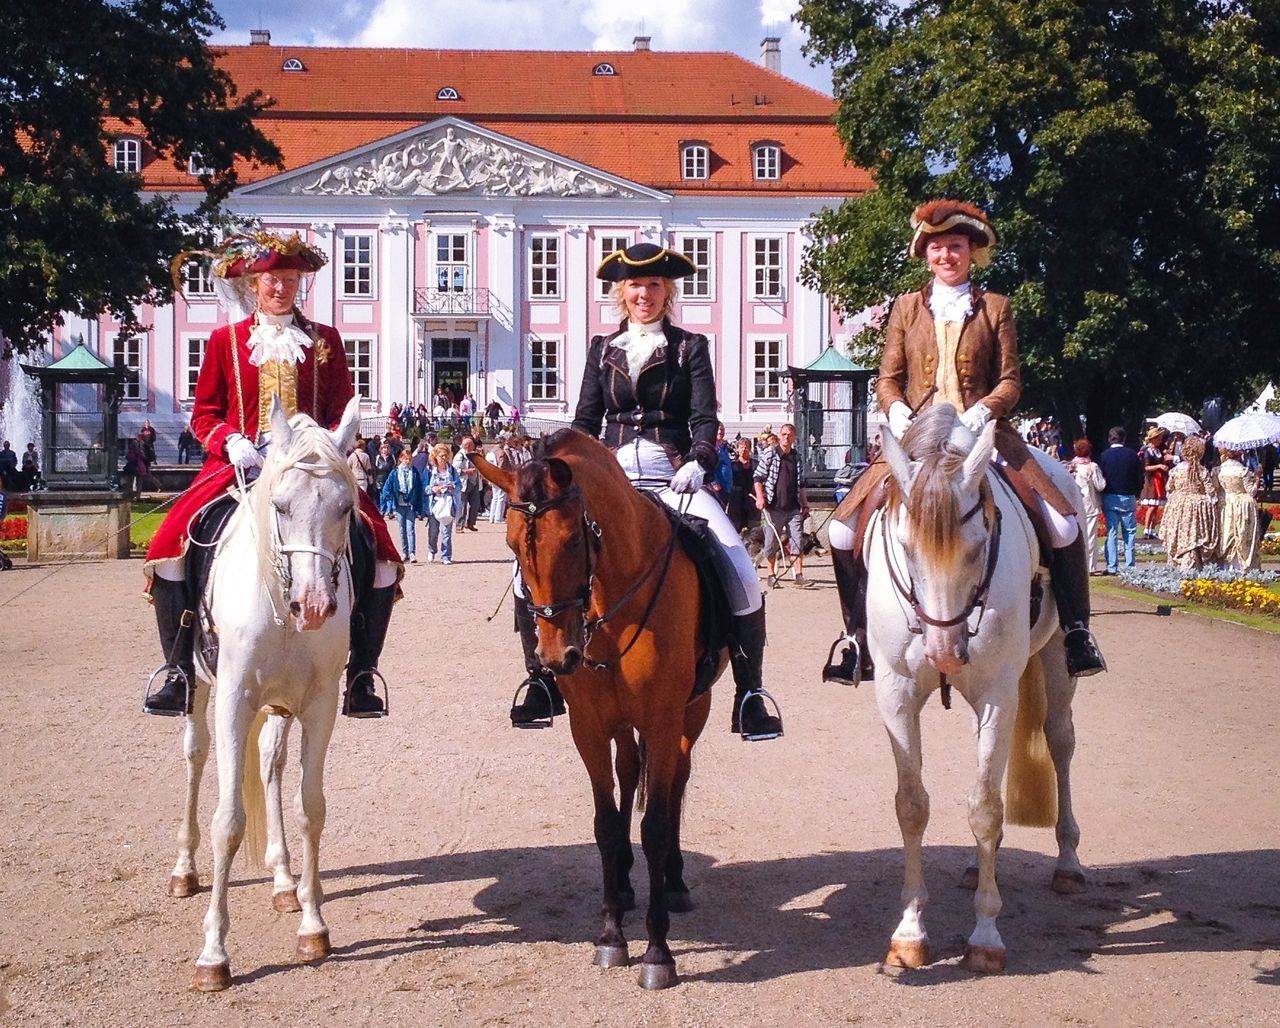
1129	154
76	234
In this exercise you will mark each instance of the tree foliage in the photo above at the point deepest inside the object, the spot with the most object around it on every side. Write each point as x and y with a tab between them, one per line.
76	234
1129	154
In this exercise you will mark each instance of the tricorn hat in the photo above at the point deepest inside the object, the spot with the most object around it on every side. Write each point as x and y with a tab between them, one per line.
942	216
645	260
248	254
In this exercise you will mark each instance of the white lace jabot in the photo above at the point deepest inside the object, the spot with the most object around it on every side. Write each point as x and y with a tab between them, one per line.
276	337
639	343
950	303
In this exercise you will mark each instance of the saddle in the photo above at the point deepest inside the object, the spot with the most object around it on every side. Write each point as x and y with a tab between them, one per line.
205	534
715	619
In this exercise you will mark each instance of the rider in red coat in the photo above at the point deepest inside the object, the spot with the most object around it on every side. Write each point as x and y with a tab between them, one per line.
274	352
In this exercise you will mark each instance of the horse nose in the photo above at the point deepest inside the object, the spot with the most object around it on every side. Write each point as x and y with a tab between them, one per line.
572	658
295	607
332	609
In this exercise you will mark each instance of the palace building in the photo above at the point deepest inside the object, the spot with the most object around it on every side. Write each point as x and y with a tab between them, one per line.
465	199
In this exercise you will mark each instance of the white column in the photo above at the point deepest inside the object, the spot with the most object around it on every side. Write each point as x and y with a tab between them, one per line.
322	308
504	321
578	279
395	336
807	339
161	365
729	289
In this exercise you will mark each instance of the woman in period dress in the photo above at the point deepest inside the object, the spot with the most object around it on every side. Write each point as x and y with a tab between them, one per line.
1155	465
1238	521
1189	529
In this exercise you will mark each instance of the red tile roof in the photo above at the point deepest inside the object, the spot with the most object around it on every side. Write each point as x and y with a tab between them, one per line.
630	124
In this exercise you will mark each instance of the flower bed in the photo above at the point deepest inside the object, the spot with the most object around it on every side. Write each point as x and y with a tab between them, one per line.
13	527
1238	595
1169	580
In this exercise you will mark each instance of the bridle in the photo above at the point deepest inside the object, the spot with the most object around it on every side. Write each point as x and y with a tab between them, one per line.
281	553
978	597
583	598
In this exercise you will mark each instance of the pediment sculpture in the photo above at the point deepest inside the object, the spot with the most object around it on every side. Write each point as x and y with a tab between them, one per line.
448	161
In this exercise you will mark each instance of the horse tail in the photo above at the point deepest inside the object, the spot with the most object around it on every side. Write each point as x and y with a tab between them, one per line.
255	804
642	786
1031	785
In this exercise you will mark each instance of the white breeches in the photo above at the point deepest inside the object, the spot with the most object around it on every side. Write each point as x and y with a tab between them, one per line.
384	572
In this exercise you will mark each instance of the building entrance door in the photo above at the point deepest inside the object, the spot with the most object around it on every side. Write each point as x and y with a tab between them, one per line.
450	367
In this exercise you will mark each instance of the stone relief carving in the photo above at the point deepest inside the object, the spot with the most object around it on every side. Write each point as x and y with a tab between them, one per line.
452	162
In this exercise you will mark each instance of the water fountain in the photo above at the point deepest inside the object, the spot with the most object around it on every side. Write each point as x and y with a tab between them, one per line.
20	418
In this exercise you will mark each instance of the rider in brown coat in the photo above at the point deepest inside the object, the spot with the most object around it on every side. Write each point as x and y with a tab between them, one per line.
953	342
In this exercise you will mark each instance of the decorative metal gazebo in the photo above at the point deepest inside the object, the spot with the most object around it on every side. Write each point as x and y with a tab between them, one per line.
79	402
829	403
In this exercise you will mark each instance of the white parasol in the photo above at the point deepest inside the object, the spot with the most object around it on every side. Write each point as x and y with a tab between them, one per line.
1248	431
1176	422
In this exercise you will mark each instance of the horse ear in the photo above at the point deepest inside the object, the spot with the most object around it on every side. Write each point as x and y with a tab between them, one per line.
561	473
281	433
975	465
344	436
896	457
504	480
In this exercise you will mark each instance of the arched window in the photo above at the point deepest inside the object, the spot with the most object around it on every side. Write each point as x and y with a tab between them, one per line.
127	155
604	68
767	160
695	160
447	93
293	64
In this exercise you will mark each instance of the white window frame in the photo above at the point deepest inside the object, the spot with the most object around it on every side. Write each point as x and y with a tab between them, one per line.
349	344
540	271
126	155
436	263
755	343
557	392
355	236
762	287
293	64
197	277
695	162
766	162
133	391
191	363
706	272
605	245
196	166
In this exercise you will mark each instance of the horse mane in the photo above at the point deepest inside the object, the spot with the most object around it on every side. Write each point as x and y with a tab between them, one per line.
310	442
932	505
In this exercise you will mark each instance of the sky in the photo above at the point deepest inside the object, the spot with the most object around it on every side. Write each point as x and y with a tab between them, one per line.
736	26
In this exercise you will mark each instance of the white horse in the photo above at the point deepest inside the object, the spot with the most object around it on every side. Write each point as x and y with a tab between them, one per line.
951	561
280	596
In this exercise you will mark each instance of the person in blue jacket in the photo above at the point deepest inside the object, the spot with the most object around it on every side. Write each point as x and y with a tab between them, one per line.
403	496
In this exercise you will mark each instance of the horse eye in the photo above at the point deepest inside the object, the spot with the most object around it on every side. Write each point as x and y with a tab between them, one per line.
280	506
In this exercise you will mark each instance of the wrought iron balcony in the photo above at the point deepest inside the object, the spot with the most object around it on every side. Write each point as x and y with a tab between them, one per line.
451	303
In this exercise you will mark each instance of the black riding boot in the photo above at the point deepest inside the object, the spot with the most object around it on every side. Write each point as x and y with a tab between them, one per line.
854	662
751	717
369	623
542	699
177	641
1070	576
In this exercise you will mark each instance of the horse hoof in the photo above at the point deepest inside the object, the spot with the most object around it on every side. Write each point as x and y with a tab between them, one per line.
313	945
213	977
627	899
658	976
182	886
611	956
983	959
910	953
285	901
1069	883
969	880
678	902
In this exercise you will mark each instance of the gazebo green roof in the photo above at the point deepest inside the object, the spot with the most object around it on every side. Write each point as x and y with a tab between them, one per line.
832	361
79	359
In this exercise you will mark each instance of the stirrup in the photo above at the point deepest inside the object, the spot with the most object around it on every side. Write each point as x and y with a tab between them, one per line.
373	673
777	714
166	670
527	687
836	672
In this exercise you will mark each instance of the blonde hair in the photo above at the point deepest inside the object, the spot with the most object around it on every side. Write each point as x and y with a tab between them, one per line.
620	304
441	450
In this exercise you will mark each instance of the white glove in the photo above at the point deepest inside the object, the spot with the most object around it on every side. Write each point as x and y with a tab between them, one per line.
899	418
975	417
242	453
689	478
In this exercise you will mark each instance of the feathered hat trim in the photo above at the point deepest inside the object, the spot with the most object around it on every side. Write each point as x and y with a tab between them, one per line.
940	216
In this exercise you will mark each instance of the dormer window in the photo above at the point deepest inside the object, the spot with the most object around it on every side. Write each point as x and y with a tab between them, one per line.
197	167
293	64
695	160
447	93
604	68
767	161
127	155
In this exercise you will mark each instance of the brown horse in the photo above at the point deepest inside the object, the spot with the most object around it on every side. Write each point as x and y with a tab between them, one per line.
616	602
